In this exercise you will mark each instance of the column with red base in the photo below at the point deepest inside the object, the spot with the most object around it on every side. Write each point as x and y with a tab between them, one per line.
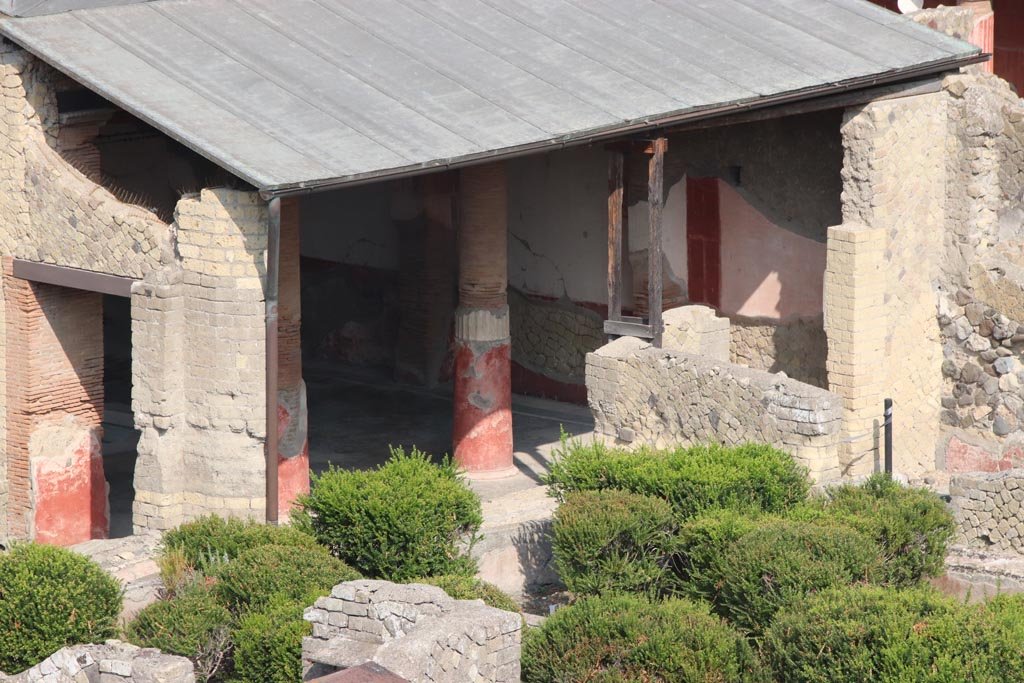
483	374
292	414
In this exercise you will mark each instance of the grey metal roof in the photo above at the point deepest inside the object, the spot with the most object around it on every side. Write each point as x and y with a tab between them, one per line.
288	93
33	8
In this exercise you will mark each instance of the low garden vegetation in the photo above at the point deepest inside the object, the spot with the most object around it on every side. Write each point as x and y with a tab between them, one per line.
236	590
819	588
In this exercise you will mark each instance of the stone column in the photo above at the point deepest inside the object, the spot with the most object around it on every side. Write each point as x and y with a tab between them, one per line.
54	374
483	380
856	324
159	349
293	419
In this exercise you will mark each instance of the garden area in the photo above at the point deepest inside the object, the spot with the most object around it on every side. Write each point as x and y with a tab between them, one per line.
704	564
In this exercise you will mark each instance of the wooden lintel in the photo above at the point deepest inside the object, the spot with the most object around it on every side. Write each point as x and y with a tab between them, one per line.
618	328
76	278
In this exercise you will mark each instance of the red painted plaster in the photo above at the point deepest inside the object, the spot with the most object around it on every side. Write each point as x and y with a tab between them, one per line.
483	408
530	383
292	471
965	457
70	495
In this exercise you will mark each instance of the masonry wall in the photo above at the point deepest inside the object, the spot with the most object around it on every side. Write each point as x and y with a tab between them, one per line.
988	509
894	181
665	397
981	292
204	400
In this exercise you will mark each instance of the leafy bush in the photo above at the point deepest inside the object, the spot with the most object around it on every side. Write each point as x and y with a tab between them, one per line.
194	624
470	588
50	598
408	518
263	572
210	541
783	560
613	541
868	633
694	480
627	638
268	643
700	545
911	526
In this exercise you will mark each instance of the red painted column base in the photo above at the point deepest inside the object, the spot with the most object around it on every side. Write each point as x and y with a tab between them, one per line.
293	449
483	408
70	493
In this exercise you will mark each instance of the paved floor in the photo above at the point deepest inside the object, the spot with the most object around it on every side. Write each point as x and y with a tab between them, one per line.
355	416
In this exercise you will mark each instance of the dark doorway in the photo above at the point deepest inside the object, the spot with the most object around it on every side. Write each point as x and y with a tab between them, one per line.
703	241
120	440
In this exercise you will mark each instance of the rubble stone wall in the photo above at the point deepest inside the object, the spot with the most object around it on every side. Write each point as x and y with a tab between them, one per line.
797	347
641	394
112	662
415	631
51	212
989	510
553	338
981	293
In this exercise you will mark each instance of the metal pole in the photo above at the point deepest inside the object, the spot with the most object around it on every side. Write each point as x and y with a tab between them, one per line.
271	297
887	425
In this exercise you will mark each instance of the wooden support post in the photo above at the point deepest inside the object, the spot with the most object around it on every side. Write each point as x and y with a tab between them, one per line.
656	204
616	227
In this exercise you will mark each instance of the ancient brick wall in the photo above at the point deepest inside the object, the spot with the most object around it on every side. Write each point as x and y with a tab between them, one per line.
53	386
640	394
550	341
894	181
981	293
796	347
52	212
989	509
113	662
416	631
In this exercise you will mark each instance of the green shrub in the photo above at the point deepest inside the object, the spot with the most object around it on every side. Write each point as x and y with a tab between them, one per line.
613	541
408	518
50	598
210	541
783	560
700	545
470	588
263	572
869	633
268	643
193	624
911	526
623	638
694	480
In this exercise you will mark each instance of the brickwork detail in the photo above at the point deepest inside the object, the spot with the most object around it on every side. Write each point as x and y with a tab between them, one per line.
53	376
640	394
981	297
553	338
989	510
697	330
856	325
796	347
112	662
51	211
887	144
415	631
200	379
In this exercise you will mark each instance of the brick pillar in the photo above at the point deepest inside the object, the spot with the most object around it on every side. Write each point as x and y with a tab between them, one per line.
159	349
483	373
293	433
54	368
856	324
